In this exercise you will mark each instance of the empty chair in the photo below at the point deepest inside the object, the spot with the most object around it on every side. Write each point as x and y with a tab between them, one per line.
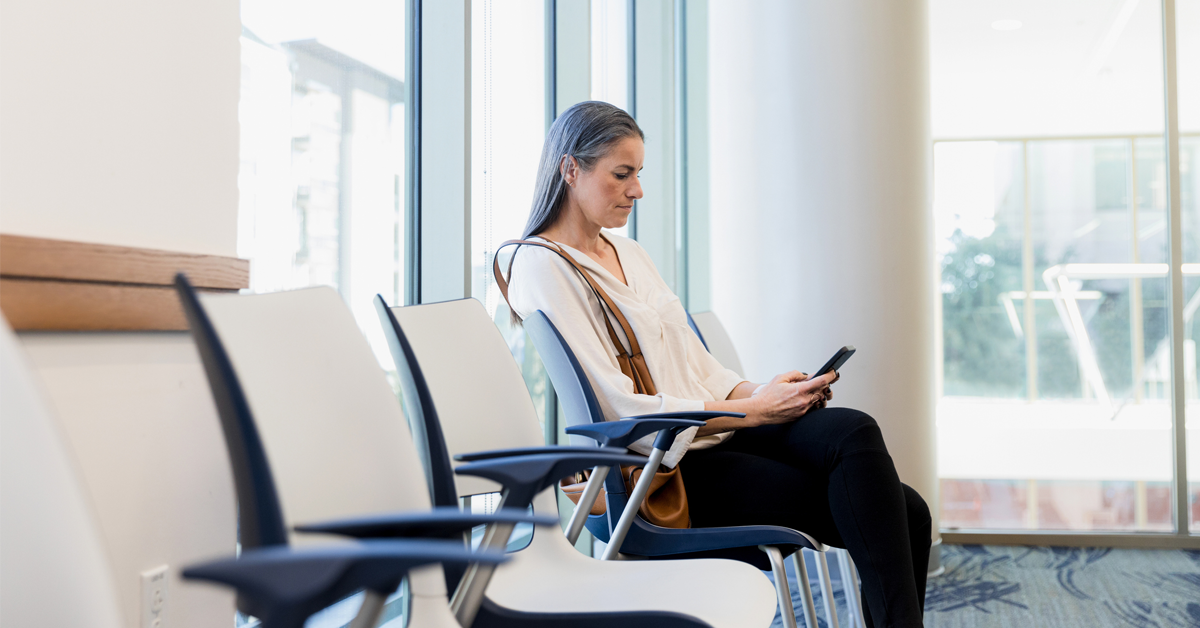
53	568
315	436
477	401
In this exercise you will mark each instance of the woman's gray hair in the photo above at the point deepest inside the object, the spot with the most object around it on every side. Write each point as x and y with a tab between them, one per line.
586	131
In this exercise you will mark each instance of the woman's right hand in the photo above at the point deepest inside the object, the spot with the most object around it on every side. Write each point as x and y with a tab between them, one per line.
790	396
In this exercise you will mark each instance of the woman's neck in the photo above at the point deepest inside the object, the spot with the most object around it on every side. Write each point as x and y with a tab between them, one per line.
576	231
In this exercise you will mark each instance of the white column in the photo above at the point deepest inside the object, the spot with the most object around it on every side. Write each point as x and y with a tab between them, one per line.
821	226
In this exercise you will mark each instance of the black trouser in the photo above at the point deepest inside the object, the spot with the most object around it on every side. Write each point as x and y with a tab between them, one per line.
828	475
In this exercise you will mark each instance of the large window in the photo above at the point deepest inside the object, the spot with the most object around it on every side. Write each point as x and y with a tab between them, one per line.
508	123
1053	251
321	176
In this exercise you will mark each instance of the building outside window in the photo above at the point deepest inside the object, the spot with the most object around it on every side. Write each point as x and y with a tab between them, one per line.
1050	198
321	176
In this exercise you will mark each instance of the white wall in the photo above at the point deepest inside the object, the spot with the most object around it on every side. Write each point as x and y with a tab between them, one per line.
820	212
119	122
118	125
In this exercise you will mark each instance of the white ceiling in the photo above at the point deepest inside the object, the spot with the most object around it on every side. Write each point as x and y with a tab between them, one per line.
1075	67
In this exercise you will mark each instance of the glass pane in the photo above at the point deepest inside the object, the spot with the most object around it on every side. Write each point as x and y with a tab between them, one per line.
978	200
610	52
610	60
1054	412
1187	37
508	123
697	285
321	177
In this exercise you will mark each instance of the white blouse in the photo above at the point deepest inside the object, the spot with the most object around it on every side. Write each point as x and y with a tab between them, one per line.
684	373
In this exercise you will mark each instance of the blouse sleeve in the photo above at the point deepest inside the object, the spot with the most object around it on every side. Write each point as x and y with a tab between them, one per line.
542	281
716	379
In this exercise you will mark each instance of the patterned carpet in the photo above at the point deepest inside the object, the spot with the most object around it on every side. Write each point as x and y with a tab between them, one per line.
1055	587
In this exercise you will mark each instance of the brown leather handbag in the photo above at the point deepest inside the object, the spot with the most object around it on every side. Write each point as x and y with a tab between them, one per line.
666	503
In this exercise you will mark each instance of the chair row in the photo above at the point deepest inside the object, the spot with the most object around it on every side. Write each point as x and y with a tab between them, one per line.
322	452
463	423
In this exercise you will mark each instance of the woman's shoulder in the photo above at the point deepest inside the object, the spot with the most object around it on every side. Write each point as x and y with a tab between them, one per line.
536	267
532	257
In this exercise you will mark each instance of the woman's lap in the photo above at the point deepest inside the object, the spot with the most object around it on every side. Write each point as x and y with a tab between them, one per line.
730	488
775	474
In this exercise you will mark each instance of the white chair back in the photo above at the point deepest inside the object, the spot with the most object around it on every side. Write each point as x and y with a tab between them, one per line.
720	345
53	566
332	427
477	388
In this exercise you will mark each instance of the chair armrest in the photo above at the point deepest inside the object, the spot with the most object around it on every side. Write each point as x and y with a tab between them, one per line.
283	585
445	522
624	432
698	415
527	451
525	476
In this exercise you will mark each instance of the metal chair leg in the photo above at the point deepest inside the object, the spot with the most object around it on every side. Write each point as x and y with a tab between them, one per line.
826	590
850	587
782	591
810	609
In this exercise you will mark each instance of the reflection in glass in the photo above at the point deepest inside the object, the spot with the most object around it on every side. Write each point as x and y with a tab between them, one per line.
321	173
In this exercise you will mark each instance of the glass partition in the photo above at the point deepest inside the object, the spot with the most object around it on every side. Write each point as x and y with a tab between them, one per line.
1187	38
1055	412
321	176
1053	248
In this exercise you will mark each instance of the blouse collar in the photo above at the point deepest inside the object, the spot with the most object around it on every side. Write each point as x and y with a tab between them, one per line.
592	265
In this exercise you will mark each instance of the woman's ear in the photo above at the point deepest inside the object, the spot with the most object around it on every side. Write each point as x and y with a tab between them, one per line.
569	168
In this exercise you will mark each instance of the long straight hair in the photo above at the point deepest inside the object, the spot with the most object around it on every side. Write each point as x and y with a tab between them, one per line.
585	131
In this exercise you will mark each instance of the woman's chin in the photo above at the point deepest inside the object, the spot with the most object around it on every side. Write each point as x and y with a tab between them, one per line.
618	221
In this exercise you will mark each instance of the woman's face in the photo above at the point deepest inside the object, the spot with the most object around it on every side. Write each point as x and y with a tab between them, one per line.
606	193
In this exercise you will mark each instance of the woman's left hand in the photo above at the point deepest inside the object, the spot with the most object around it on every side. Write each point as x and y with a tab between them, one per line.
822	397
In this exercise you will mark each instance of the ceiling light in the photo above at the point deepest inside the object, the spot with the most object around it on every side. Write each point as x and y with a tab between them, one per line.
1006	25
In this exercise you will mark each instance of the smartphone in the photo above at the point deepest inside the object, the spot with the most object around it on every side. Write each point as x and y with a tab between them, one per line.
836	361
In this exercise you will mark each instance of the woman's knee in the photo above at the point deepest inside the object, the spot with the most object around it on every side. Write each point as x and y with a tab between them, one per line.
918	510
858	429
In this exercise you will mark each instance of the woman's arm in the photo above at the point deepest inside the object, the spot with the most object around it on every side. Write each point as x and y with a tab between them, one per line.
786	398
744	390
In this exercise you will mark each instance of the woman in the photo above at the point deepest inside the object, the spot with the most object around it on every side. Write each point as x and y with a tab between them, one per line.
791	461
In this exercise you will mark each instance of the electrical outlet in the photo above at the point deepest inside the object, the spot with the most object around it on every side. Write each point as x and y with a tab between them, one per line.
154	598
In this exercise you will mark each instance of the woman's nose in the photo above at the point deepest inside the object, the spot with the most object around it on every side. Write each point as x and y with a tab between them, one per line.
636	190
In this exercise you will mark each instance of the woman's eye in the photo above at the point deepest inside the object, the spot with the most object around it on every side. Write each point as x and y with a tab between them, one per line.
622	176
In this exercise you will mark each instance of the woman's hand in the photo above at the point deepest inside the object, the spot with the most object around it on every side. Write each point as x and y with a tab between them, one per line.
786	398
790	396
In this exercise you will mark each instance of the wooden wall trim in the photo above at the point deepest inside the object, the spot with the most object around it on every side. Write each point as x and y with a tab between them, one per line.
58	285
22	256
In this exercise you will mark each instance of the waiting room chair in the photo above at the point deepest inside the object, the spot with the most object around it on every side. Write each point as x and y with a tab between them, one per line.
53	568
315	435
761	546
472	398
716	339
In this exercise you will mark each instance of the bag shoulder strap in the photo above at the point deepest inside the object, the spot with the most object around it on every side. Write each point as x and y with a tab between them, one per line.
633	362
